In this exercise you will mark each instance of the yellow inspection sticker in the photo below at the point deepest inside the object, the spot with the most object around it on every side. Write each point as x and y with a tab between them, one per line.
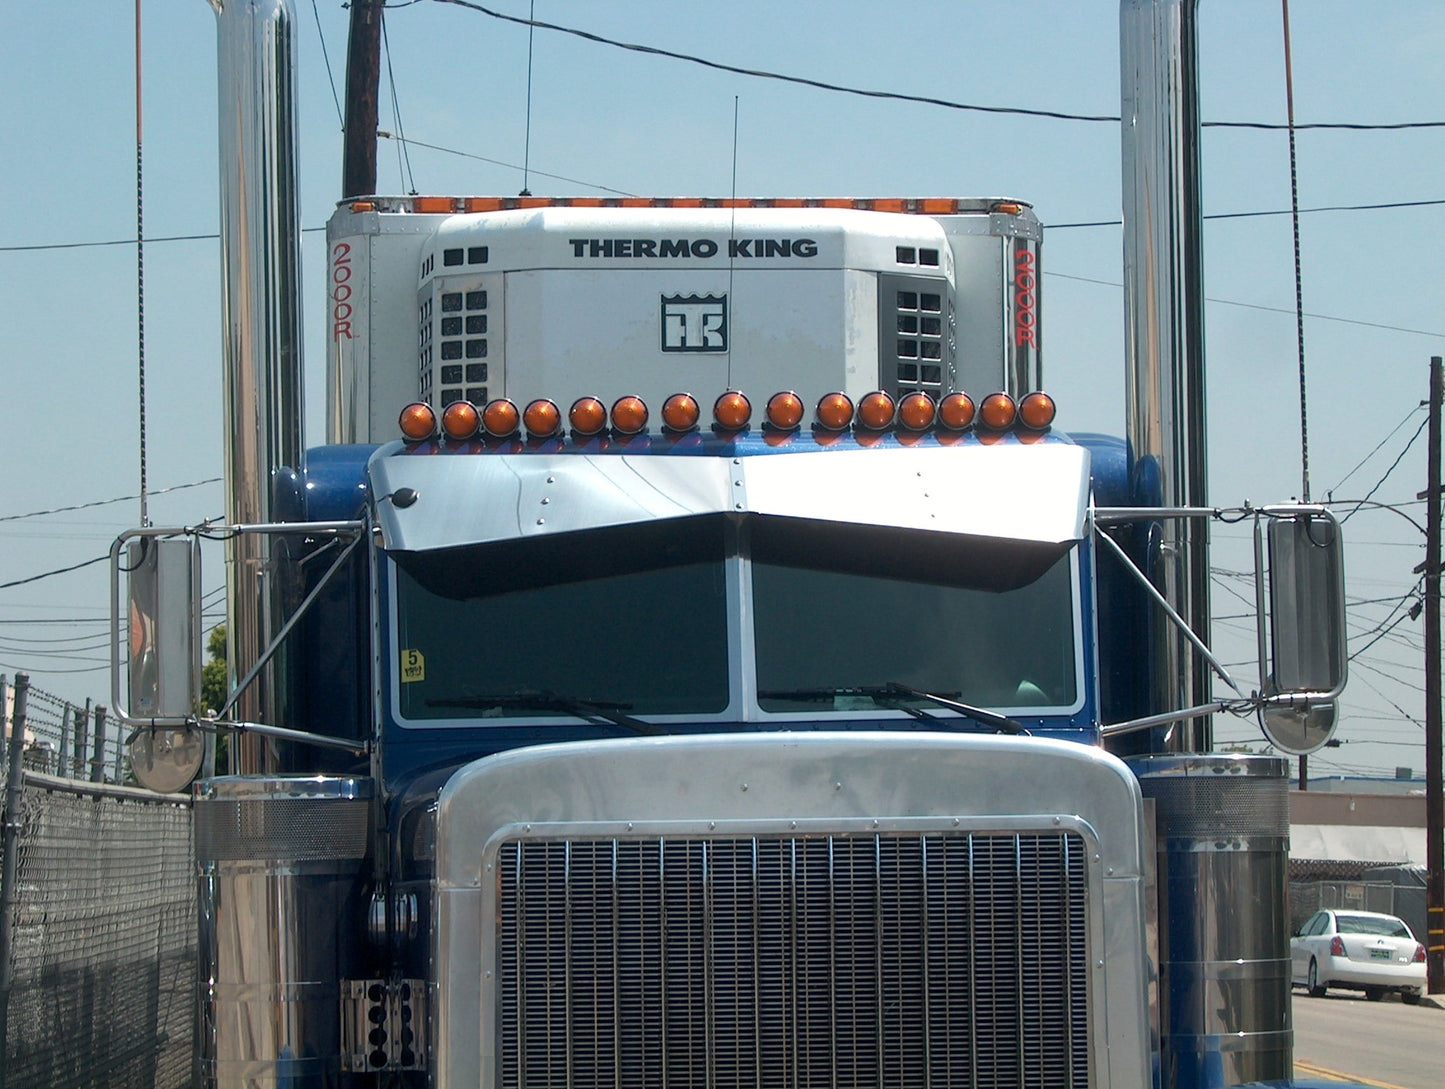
413	667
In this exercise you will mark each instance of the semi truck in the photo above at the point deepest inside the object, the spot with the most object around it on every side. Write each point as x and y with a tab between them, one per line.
700	656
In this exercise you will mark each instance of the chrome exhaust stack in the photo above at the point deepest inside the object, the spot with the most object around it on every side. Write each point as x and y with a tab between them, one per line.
1164	333
1221	821
261	314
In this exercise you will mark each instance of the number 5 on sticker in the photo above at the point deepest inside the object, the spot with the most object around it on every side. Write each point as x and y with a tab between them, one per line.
413	667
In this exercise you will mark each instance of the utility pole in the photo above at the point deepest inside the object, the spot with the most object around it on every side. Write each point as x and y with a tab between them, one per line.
363	77
1434	812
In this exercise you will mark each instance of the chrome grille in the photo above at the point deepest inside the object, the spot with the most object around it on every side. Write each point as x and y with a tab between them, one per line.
937	961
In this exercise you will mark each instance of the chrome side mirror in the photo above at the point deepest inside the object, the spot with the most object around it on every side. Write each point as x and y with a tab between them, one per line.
161	630
1304	659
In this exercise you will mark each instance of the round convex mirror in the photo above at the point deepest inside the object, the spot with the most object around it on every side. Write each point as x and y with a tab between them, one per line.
1299	731
166	759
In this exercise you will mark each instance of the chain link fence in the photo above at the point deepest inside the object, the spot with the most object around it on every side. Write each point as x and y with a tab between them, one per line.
1397	894
98	935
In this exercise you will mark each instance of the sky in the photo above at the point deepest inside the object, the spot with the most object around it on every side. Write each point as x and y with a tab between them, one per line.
606	120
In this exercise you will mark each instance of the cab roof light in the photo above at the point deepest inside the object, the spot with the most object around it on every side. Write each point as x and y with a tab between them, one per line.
916	412
933	206
629	415
1036	411
587	416
998	412
460	421
956	412
501	418
834	412
732	411
876	411
680	412
542	418
784	410
418	422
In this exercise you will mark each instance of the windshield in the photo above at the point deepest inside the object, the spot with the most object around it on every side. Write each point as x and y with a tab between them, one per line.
836	622
631	621
612	624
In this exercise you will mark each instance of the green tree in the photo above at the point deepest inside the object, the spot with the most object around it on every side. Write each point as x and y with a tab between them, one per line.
213	673
214	688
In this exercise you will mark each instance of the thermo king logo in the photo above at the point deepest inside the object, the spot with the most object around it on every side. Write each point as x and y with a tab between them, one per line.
694	324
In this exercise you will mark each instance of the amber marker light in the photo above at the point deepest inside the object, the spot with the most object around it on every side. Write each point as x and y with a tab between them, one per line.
1036	411
680	412
997	412
542	418
785	410
732	411
460	421
956	412
418	422
587	416
876	411
629	415
501	418
834	412
916	412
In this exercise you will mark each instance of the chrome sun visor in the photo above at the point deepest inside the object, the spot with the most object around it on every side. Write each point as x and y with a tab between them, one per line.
1027	493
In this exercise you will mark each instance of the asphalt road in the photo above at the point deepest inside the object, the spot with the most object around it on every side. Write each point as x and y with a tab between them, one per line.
1382	1043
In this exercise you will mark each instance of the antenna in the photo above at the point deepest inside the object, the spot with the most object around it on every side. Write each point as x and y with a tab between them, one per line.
527	140
732	242
140	272
1299	303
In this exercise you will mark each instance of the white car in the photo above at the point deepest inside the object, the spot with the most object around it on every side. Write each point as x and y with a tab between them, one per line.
1358	951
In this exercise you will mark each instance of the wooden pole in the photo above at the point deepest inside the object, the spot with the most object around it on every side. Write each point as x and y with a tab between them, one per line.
1434	862
363	76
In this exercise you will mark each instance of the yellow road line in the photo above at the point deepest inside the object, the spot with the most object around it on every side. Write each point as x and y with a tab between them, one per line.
1302	1067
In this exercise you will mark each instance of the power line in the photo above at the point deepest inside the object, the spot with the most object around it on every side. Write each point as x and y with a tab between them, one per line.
1375	451
70	620
57	571
894	96
1385	206
327	58
212	237
1398	620
1266	309
113	242
757	73
1388	471
89	669
383	134
396	110
107	502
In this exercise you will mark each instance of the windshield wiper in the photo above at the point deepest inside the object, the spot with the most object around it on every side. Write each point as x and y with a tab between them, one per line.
1002	723
891	693
588	710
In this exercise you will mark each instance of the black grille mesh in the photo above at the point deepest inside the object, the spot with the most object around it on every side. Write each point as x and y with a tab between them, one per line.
938	961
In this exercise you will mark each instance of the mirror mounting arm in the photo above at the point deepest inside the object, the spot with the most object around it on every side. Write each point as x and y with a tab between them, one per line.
1159	598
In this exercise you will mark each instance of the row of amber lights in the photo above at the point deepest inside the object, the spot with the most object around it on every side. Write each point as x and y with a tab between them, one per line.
938	206
835	412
